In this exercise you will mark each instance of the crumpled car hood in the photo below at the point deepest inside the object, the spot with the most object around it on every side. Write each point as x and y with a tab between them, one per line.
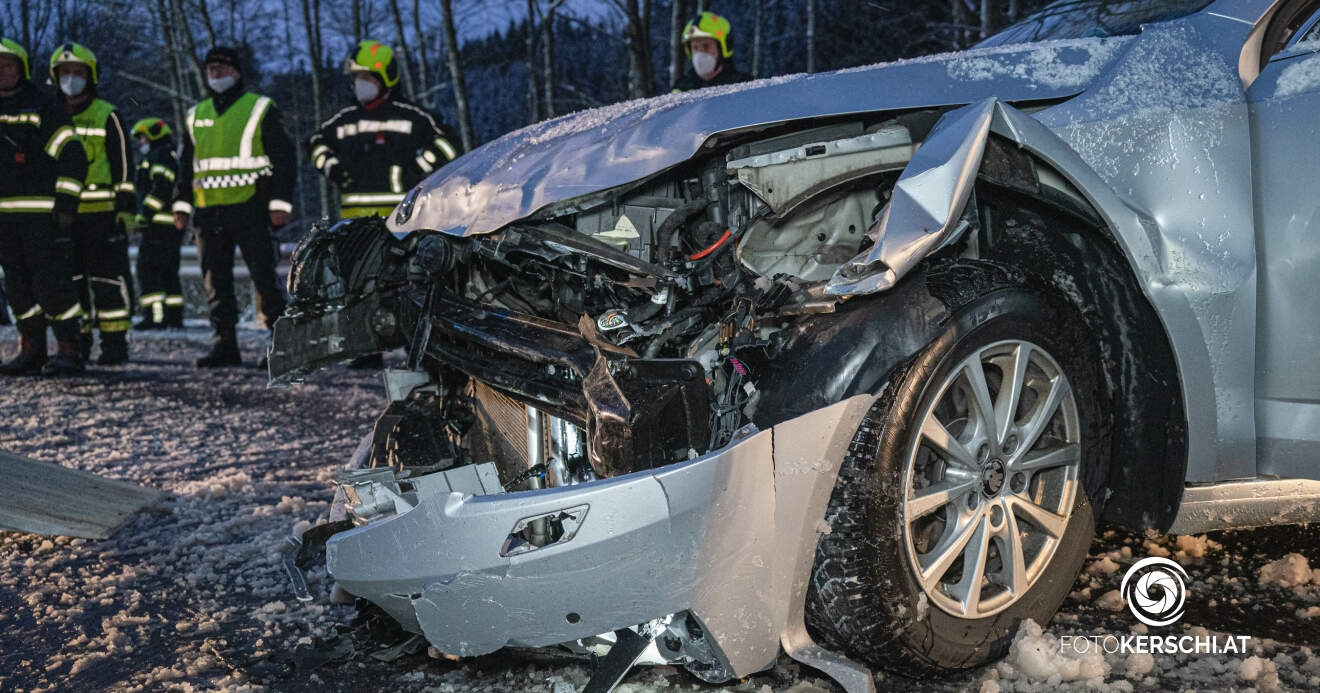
591	151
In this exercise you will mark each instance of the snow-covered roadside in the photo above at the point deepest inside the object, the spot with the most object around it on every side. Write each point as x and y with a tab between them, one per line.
190	595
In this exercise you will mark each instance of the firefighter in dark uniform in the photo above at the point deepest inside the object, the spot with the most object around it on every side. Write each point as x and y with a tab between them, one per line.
158	254
706	40
236	175
100	237
377	149
44	166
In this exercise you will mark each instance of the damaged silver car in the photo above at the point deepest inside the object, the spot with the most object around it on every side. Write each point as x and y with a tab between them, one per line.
845	365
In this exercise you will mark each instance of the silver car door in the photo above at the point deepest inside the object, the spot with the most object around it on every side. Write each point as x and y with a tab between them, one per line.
1284	103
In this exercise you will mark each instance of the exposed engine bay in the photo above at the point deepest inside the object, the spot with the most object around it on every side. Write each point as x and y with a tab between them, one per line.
681	319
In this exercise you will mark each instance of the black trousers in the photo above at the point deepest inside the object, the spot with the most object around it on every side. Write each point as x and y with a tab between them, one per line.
158	270
248	229
38	275
100	271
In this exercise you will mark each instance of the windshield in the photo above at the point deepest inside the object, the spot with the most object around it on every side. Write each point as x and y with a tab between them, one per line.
1093	18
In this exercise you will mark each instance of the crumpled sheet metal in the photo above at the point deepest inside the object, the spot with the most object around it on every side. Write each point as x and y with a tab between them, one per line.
926	204
729	536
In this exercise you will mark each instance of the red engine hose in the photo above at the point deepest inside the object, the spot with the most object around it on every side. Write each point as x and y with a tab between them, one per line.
715	246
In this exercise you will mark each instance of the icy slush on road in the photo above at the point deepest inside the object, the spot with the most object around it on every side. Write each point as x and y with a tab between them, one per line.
848	365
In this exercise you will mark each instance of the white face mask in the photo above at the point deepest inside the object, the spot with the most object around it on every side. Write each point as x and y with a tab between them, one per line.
365	90
220	85
703	63
144	147
72	85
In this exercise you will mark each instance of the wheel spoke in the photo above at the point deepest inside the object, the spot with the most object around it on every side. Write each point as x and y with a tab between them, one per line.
948	446
1040	418
985	408
1046	521
937	562
1014	575
974	566
1064	456
1010	390
928	500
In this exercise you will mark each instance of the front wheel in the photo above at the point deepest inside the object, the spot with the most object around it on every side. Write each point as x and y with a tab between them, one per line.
964	504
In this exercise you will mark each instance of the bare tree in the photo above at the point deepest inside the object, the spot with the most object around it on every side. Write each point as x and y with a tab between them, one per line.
311	11
533	89
423	76
456	75
548	55
401	51
758	38
677	20
637	28
811	35
989	15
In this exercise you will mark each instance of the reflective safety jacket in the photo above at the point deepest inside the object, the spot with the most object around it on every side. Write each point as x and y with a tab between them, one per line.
108	186
155	182
41	157
383	150
235	155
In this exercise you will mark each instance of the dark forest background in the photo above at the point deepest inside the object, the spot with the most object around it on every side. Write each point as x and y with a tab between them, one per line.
485	67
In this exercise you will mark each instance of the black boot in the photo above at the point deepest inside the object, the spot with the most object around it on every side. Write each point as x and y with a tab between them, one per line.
224	351
84	344
114	349
148	323
67	359
173	317
31	350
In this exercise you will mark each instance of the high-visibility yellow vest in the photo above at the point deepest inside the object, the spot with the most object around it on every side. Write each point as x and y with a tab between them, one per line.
228	156
97	194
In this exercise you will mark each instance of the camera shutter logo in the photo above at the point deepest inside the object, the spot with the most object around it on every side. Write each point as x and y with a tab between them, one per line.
1155	590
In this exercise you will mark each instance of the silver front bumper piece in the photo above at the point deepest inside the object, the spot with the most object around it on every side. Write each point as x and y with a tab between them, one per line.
729	537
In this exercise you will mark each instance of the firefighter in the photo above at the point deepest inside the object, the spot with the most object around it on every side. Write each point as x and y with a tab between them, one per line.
706	41
100	237
378	148
235	182
44	166
158	254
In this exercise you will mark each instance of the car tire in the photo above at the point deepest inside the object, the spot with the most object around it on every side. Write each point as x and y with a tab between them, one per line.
866	598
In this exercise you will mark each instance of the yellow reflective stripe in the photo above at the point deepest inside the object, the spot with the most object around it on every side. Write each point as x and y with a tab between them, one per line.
250	130
430	158
396	179
71	313
26	204
91	207
32	312
280	206
332	161
21	118
446	147
124	187
182	207
89	132
158	170
424	165
372	198
113	325
354	212
97	195
173	300
166	218
57	141
68	185
321	150
364	126
148	299
112	314
153	202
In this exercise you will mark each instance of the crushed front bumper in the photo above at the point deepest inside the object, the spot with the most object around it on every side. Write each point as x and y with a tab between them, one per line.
728	537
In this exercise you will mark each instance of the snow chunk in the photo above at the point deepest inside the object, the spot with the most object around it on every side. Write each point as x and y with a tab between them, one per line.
1110	601
1290	571
1302	76
1140	664
1039	657
1059	64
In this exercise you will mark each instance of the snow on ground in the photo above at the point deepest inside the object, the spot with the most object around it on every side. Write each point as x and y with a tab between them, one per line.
190	595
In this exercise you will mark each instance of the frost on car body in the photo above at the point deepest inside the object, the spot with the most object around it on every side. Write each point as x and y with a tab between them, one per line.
651	346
